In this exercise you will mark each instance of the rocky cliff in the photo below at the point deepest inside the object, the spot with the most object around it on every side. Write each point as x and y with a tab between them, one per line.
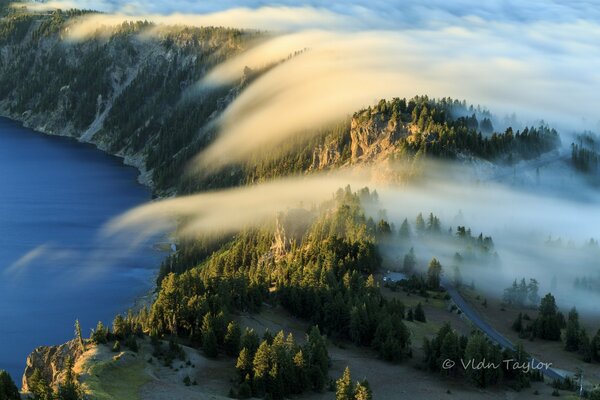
51	362
122	92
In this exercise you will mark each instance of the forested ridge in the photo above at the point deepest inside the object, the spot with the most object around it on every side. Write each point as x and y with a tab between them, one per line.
135	96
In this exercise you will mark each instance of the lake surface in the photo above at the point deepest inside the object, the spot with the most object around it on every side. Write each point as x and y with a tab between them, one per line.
55	267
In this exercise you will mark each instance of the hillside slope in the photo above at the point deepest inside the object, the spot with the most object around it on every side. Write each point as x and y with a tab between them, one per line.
131	94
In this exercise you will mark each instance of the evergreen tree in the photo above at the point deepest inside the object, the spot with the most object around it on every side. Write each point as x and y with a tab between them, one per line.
100	334
209	344
250	341
449	350
420	223
458	280
585	346
434	274
404	231
362	391
301	377
410	261
572	332
39	386
244	363
232	339
119	327
78	335
209	338
316	348
419	313
476	352
261	365
8	389
344	389
532	292
547	324
69	389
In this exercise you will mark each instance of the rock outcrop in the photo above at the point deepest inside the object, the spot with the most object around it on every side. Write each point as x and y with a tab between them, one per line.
51	362
374	137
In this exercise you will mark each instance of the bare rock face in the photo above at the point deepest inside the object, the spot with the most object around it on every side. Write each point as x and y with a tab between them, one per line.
374	136
325	156
51	361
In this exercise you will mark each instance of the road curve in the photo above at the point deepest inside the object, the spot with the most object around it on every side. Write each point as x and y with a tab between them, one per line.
478	321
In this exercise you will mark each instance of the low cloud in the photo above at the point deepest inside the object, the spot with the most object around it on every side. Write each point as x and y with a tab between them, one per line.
537	59
343	72
520	219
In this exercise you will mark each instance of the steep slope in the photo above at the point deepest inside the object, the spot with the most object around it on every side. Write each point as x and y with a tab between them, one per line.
132	94
122	93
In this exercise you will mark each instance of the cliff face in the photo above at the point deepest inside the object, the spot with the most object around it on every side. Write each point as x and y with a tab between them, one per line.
51	362
122	93
374	137
132	94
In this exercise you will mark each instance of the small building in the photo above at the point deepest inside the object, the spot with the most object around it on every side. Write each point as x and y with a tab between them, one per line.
394	277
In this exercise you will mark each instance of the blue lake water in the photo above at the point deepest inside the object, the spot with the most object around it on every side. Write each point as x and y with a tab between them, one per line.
55	196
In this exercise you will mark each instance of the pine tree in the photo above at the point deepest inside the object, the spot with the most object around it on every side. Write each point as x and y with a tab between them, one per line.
100	334
261	365
250	341
585	347
209	344
404	231
476	352
244	363
209	338
119	327
69	389
449	350
572	332
8	389
78	335
363	391
410	261
547	324
344	388
39	386
232	339
419	313
301	380
420	223
434	274
316	349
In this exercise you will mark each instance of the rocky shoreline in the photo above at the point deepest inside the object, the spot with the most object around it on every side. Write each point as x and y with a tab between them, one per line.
32	121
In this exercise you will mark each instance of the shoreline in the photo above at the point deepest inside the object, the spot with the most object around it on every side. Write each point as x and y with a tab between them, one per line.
146	297
136	161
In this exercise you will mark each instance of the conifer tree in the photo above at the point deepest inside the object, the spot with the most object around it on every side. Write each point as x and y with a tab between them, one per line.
419	313
344	388
362	391
78	335
39	386
434	274
244	363
232	339
572	332
8	389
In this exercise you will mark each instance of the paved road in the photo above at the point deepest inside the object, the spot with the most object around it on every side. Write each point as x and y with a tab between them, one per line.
478	321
